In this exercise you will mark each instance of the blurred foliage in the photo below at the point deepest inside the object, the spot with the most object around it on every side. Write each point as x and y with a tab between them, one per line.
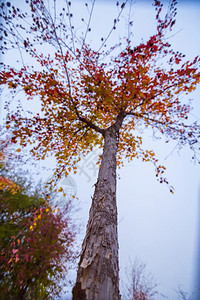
37	242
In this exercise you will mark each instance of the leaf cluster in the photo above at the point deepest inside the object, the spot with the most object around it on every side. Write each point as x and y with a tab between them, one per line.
37	243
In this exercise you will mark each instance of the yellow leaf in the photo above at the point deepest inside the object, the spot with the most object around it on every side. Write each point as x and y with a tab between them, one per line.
31	227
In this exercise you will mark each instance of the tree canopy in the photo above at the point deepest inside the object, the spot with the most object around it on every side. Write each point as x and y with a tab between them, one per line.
83	92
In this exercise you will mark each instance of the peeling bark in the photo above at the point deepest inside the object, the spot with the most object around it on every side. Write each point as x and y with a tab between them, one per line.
98	270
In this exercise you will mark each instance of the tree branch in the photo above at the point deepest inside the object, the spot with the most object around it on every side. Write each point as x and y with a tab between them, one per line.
113	27
89	123
158	94
88	25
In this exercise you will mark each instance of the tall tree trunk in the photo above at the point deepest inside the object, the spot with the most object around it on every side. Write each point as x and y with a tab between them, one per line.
98	271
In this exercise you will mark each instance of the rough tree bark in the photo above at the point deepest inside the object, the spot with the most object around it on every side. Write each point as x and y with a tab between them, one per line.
98	270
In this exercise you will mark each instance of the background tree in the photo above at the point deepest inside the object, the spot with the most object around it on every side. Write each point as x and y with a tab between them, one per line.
183	295
37	244
140	284
88	98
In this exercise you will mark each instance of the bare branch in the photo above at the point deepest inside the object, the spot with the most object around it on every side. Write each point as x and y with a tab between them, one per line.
114	26
88	25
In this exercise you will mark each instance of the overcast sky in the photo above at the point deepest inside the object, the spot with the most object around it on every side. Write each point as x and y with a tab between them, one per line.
157	227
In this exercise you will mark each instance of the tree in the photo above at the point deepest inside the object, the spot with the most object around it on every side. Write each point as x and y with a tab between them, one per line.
37	244
183	295
94	98
141	285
